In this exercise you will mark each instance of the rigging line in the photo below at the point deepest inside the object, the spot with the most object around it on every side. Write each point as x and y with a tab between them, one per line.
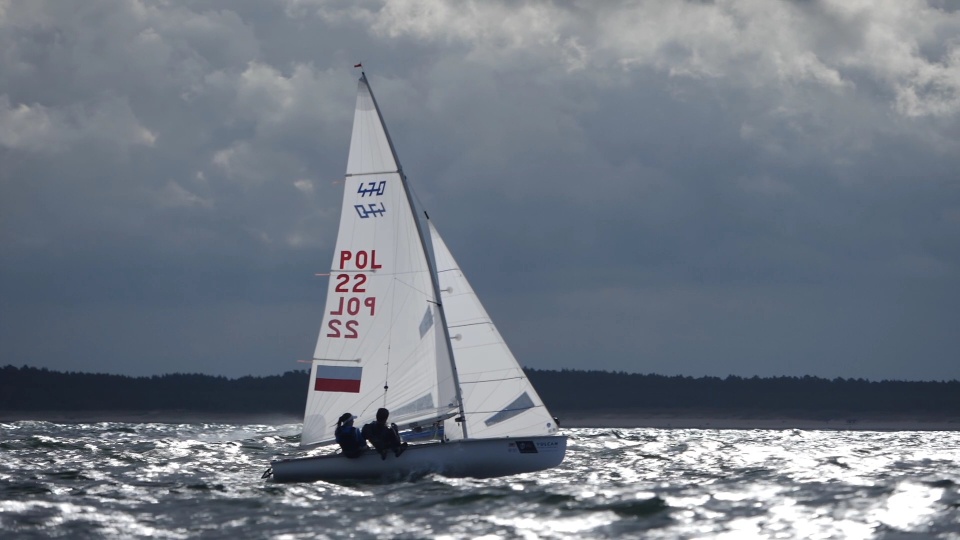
386	377
371	173
366	407
389	292
497	386
386	370
465	347
420	204
469	324
534	406
414	288
398	235
492	380
382	273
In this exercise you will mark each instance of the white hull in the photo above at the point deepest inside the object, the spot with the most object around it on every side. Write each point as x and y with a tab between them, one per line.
475	458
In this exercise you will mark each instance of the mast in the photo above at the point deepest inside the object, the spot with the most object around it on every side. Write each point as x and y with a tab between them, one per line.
431	263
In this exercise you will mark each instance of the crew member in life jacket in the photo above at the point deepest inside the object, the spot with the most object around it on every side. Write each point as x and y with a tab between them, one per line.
382	436
348	437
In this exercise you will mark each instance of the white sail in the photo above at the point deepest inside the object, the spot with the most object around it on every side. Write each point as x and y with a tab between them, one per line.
498	399
395	297
382	342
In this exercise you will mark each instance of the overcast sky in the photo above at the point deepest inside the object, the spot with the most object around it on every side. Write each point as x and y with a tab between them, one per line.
747	187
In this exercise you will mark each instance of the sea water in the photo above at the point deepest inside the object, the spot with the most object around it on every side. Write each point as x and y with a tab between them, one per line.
126	480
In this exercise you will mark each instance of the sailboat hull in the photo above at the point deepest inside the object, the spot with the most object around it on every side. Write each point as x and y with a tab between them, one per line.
474	458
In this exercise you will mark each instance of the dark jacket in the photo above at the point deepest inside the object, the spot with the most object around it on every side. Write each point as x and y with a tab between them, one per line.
350	440
381	436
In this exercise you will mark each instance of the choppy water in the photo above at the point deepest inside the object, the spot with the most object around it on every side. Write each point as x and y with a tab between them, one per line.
178	481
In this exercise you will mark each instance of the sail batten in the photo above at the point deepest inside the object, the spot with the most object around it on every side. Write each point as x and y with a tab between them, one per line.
372	173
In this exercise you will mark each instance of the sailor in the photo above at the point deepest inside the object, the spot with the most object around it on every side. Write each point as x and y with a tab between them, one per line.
350	439
382	436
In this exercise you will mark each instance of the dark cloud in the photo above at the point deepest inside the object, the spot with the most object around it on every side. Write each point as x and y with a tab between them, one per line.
750	188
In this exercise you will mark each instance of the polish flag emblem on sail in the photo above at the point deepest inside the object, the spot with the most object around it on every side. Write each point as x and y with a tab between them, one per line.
338	379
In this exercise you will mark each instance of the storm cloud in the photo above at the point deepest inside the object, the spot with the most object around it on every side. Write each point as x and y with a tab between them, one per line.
746	187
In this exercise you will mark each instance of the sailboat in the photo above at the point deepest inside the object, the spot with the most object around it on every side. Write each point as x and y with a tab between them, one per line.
403	329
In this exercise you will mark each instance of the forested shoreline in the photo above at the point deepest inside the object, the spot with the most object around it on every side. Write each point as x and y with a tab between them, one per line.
564	391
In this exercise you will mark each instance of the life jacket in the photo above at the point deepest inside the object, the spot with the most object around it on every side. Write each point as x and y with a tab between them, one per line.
381	436
350	440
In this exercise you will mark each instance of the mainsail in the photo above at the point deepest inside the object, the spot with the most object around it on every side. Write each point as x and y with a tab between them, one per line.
382	342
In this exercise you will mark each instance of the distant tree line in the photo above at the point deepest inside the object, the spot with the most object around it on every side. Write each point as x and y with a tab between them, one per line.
575	390
33	389
36	389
